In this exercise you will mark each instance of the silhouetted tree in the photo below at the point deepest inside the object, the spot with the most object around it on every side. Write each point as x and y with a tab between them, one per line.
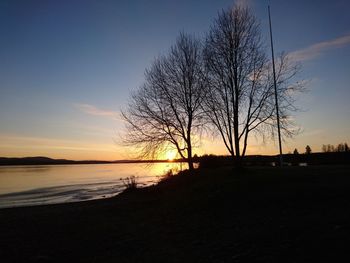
324	148
241	95
340	148
295	151
166	111
328	148
308	149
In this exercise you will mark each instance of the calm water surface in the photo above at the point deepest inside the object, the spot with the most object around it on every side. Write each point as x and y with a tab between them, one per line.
48	184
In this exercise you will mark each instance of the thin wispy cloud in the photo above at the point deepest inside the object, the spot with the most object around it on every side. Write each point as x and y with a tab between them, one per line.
29	142
313	132
318	49
95	111
243	3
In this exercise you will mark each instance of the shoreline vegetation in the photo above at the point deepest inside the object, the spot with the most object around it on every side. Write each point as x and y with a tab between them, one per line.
222	214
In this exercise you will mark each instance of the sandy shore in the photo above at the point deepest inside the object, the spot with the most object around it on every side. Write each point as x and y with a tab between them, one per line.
295	214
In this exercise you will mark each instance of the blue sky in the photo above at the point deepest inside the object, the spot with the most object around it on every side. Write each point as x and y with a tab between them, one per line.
67	68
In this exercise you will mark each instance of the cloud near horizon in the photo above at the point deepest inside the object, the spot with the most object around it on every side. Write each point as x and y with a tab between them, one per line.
93	110
16	145
318	49
31	142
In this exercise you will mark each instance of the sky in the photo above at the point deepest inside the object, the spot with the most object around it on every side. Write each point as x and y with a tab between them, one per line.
67	69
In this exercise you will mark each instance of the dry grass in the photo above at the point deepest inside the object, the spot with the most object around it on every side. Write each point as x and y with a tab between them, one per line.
130	183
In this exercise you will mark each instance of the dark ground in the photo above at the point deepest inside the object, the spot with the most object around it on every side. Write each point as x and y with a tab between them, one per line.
291	214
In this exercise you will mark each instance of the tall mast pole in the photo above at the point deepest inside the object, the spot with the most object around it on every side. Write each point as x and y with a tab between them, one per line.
276	97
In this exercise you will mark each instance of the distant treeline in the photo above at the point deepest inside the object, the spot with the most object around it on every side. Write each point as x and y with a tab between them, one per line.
49	161
326	158
341	147
206	161
41	161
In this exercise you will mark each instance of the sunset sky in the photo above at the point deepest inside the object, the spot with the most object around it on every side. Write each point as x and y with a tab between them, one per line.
67	69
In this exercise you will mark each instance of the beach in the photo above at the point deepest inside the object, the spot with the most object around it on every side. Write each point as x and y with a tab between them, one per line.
256	214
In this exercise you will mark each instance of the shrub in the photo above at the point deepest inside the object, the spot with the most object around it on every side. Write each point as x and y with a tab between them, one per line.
166	176
130	183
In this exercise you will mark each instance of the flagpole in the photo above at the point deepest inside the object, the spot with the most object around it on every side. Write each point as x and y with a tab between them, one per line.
276	97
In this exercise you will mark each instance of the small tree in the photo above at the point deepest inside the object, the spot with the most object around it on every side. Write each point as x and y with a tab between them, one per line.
308	149
340	148
166	111
295	151
324	148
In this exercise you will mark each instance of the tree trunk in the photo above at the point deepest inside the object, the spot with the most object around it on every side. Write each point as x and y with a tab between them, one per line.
245	143
189	158
190	164
238	162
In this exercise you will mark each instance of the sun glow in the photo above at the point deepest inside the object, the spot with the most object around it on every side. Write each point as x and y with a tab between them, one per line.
170	155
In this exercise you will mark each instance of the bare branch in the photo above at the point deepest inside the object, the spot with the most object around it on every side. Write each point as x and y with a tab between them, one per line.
167	110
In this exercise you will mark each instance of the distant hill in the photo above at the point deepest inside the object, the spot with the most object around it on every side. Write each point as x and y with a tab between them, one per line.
41	160
205	161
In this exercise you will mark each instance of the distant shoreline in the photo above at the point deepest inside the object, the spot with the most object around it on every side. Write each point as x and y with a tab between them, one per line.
9	161
318	158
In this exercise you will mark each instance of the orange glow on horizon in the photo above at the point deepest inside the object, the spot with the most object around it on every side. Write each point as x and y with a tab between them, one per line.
104	149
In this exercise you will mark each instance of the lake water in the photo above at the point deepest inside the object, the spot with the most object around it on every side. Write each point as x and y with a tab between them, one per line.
49	184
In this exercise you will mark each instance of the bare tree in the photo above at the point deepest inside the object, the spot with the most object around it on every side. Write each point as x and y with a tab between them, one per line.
240	99
165	113
328	148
